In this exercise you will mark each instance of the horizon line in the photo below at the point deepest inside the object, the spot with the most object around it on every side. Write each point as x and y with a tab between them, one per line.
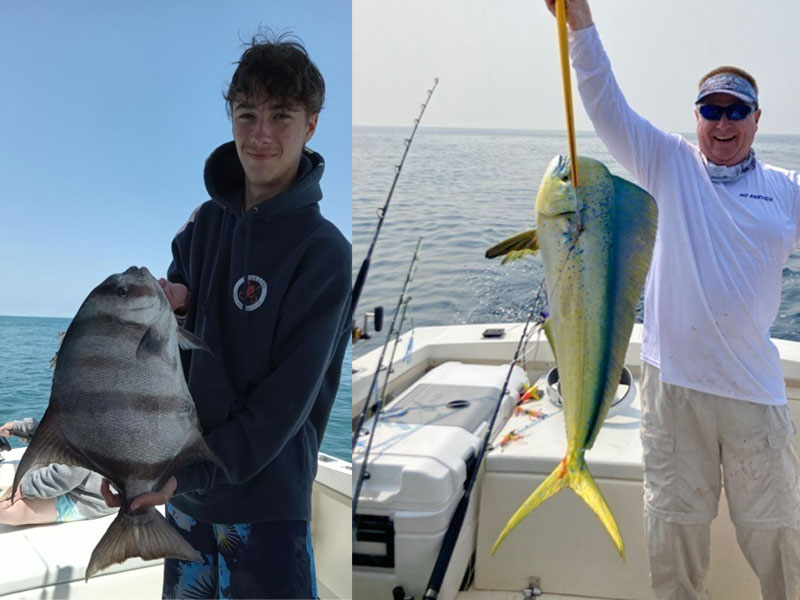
33	317
591	131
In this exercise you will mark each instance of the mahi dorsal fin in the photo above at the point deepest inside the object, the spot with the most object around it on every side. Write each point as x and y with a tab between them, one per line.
635	222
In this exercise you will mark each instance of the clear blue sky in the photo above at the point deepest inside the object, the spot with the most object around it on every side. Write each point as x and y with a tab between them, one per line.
108	112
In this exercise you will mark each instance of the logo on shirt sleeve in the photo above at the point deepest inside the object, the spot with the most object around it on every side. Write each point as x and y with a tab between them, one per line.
249	294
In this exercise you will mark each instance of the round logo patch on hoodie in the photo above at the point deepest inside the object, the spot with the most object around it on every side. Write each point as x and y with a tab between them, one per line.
250	295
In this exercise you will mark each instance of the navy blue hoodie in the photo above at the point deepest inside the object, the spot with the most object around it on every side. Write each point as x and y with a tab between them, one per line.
270	296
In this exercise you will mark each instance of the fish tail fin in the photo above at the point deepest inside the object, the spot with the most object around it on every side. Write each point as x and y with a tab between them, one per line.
148	536
576	475
583	484
555	482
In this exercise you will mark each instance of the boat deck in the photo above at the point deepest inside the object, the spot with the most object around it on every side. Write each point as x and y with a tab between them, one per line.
49	561
495	595
562	531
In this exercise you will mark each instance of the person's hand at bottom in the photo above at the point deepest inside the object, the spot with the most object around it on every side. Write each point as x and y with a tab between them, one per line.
162	496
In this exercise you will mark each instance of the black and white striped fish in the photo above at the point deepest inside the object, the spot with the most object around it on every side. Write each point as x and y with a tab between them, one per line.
120	406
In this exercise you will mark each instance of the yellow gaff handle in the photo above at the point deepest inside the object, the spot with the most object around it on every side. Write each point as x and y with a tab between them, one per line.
563	47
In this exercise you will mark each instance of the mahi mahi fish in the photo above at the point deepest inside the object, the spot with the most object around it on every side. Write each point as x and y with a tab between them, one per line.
120	406
596	242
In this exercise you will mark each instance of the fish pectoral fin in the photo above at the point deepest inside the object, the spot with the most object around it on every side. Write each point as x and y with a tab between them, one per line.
554	483
149	539
189	341
515	247
151	344
48	446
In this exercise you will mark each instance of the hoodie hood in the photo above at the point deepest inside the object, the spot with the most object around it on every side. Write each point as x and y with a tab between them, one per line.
224	179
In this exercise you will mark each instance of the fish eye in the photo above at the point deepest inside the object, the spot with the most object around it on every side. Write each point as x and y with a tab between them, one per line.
122	291
565	178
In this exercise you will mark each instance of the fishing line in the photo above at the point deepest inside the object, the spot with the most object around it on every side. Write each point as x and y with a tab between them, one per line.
456	522
402	302
362	272
540	309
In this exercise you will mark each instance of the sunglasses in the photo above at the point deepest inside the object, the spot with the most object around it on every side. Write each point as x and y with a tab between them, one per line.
734	112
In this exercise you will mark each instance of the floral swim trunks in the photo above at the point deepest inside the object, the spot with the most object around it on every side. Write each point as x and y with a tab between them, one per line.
272	559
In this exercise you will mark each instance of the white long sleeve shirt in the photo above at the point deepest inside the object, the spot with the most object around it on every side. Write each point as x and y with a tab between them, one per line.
714	285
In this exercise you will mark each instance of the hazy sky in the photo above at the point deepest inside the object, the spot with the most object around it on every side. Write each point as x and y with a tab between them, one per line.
498	64
108	112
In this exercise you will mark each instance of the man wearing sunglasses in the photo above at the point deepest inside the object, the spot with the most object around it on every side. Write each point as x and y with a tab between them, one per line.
713	395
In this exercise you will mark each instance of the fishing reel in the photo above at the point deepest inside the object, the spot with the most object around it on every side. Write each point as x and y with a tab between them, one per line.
360	333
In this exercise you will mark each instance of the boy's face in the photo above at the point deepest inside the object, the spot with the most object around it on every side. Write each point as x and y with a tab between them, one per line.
269	140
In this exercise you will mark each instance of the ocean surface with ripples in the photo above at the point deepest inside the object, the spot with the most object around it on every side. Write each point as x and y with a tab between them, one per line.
28	343
464	190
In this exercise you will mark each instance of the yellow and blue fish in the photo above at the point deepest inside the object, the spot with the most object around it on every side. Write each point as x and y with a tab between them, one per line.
596	242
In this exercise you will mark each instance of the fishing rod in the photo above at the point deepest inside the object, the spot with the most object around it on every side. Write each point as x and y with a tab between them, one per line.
456	522
394	350
403	300
362	272
374	386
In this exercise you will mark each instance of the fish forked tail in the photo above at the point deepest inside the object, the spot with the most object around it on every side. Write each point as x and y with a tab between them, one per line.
576	475
148	535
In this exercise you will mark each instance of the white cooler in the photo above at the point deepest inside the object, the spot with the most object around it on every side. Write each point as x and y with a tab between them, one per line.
426	443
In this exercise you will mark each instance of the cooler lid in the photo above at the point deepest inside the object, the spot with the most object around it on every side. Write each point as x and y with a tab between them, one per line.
421	446
442	404
414	467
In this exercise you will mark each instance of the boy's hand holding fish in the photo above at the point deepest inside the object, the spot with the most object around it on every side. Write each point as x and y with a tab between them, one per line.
145	500
177	294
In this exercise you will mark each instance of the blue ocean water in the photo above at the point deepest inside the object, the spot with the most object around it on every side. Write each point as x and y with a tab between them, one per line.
28	343
464	191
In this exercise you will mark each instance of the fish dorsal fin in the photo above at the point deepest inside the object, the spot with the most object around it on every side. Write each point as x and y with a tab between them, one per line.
49	446
635	222
516	246
189	341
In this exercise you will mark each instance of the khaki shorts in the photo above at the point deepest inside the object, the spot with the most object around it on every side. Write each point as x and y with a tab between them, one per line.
688	435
